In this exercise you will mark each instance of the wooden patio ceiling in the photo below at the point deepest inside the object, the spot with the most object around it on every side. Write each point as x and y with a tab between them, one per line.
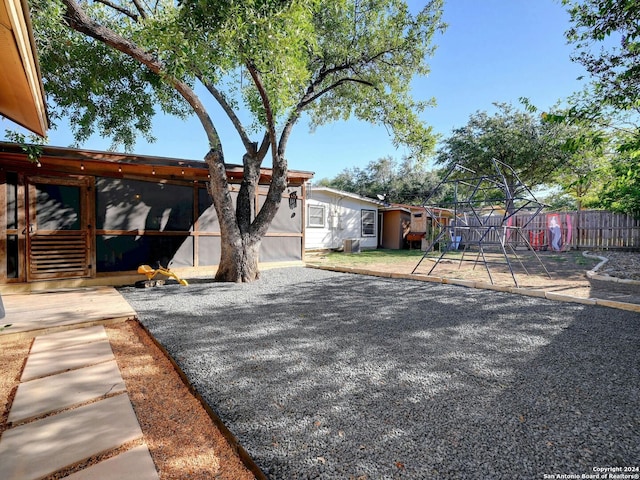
21	92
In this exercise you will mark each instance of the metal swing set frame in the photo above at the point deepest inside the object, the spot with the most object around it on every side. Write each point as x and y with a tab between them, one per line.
474	209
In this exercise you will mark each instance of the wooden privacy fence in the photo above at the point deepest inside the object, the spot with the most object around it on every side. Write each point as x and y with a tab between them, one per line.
589	229
582	230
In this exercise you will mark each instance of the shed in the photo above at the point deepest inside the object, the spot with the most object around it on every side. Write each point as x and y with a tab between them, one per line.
338	219
91	218
425	222
396	223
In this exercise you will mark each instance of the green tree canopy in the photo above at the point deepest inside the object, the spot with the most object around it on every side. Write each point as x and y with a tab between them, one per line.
606	35
586	169
621	193
520	139
110	66
406	182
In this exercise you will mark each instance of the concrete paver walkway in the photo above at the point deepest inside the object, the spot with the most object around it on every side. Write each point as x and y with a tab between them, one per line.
55	361
72	405
57	392
43	447
34	314
135	464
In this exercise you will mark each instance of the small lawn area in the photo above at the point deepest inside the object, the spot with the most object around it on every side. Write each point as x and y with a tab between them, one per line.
562	265
365	257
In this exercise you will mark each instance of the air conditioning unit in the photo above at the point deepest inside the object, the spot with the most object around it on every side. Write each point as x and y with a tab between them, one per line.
351	245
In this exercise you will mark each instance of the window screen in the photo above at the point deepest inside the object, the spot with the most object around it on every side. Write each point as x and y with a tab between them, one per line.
118	253
57	207
316	216
123	204
368	223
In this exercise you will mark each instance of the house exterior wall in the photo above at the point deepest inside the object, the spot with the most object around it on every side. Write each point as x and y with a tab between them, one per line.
127	220
341	220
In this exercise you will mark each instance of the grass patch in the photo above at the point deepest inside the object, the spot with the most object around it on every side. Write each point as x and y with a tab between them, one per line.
572	257
585	261
366	257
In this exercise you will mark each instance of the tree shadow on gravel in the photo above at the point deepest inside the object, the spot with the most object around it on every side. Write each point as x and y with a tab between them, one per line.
326	375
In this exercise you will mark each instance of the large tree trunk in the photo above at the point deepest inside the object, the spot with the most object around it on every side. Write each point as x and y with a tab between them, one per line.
241	231
239	260
240	247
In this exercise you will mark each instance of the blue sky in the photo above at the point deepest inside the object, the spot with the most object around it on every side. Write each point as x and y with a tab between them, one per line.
492	51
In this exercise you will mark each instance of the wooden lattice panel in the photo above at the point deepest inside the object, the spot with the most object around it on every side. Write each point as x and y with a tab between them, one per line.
59	255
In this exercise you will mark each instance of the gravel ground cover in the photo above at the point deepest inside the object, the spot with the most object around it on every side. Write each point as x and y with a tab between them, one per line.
323	375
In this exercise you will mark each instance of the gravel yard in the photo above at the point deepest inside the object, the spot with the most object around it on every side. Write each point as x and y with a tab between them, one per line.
337	376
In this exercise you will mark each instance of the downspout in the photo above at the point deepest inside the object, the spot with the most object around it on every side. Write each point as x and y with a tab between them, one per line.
335	222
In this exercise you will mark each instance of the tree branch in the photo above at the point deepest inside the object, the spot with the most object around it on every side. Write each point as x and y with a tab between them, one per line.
279	163
271	127
140	8
246	141
286	131
350	65
264	145
310	96
78	20
120	9
310	99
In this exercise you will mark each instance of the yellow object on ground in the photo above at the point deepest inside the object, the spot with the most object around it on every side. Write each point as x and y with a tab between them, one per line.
151	273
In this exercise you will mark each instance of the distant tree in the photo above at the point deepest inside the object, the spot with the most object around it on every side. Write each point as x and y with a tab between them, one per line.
110	65
417	183
520	139
406	182
349	180
559	201
586	168
581	179
621	193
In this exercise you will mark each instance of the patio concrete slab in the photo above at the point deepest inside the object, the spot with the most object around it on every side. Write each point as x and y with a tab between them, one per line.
68	338
64	390
55	361
134	464
40	448
42	313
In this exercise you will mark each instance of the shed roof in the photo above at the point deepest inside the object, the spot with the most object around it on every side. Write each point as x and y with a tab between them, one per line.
396	208
421	208
21	92
341	193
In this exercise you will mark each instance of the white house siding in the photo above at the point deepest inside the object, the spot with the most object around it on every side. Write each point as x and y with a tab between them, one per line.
342	220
